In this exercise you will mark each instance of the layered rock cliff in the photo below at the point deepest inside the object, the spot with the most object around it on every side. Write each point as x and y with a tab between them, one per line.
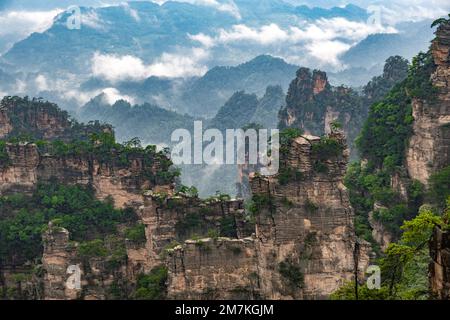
440	265
429	146
28	165
41	120
303	245
429	151
308	222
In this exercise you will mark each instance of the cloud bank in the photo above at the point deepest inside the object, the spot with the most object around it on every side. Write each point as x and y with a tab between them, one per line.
116	68
325	39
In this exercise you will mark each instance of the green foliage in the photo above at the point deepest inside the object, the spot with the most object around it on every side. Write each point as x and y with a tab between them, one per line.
72	207
440	186
387	129
213	234
311	206
286	137
190	224
335	125
392	217
324	150
21	110
291	273
103	147
191	192
418	83
152	286
320	167
260	202
347	292
136	233
366	186
228	227
439	22
395	70
92	249
327	148
4	157
288	174
404	267
287	203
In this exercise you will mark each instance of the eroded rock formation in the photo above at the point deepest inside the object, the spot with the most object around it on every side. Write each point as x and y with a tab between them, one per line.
27	166
440	265
304	242
69	275
429	146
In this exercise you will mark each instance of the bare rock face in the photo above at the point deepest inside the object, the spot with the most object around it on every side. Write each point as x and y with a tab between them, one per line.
5	123
27	166
382	236
58	262
308	226
304	242
440	265
44	119
69	276
214	269
173	218
20	174
429	147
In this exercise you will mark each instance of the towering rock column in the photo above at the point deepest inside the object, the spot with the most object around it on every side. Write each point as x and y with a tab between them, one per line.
429	147
304	229
62	280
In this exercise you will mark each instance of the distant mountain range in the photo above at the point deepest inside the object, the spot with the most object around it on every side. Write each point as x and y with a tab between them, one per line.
165	52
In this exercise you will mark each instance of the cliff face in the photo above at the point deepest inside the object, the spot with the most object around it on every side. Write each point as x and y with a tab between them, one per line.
440	265
41	118
429	146
214	269
171	219
308	225
304	242
69	276
27	166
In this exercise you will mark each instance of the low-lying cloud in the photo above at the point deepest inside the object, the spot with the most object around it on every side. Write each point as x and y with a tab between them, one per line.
171	65
324	39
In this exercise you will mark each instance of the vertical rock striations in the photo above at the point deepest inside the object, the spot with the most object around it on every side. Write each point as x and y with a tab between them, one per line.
304	241
429	146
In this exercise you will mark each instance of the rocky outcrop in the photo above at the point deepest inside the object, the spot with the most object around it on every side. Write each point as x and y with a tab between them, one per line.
173	218
43	119
5	123
62	279
429	146
314	106
304	242
440	264
379	232
27	166
214	269
309	224
69	275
